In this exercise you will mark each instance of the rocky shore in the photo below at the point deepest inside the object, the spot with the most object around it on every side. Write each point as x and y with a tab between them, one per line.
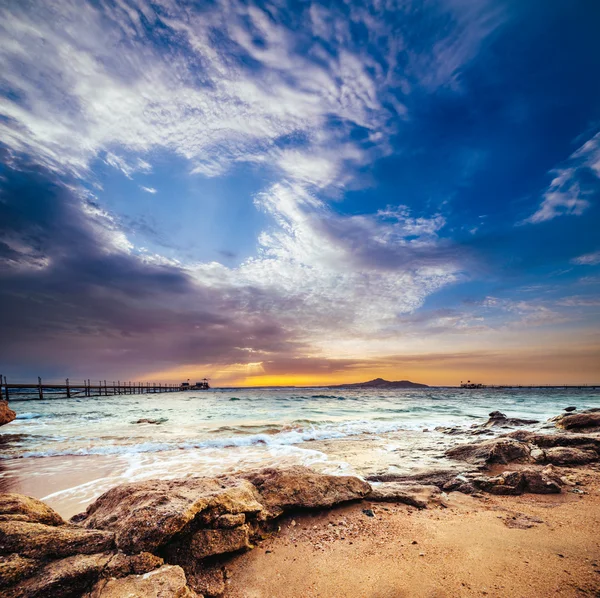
6	414
178	538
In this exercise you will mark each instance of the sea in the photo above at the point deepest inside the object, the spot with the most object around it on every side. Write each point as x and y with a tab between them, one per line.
69	451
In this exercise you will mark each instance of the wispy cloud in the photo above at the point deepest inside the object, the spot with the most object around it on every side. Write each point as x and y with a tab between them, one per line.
148	189
567	193
587	259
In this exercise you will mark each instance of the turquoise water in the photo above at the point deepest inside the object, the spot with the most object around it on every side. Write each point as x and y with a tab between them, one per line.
64	441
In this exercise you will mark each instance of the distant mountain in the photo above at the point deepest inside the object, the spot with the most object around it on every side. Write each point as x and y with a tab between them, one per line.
381	383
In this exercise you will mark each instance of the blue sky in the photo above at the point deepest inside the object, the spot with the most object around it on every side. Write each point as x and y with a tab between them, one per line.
302	191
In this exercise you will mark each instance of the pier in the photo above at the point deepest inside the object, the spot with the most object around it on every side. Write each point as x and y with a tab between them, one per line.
89	388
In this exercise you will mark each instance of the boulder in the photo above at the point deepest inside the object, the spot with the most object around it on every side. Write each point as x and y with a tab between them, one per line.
417	495
6	414
541	482
488	452
17	507
499	420
168	581
300	487
551	440
206	578
435	477
588	420
507	483
66	578
570	456
40	541
146	515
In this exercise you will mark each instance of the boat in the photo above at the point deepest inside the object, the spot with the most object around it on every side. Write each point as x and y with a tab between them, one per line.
470	385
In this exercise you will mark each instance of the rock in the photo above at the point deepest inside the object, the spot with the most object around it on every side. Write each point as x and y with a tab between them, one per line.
66	578
488	452
417	495
145	420
550	440
543	482
146	515
17	507
569	409
588	420
300	487
437	477
508	483
369	512
522	521
6	414
168	581
121	564
40	541
460	483
208	542
207	579
13	568
229	520
570	456
498	419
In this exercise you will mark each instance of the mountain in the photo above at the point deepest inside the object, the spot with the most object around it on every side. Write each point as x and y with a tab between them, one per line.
381	383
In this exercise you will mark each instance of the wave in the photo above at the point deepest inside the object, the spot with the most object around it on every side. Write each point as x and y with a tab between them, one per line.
29	415
269	439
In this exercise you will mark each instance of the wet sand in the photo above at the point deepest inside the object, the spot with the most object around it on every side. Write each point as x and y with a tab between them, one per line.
528	546
69	484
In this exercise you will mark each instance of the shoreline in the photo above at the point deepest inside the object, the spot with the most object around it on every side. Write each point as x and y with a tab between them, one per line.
519	518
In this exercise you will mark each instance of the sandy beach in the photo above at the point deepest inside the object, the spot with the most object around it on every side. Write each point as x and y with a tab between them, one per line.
505	511
498	546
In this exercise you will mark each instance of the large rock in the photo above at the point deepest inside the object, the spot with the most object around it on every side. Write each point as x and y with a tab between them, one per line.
586	421
499	420
570	456
417	495
66	578
497	451
6	414
507	483
17	507
435	477
167	582
146	515
551	440
39	541
300	487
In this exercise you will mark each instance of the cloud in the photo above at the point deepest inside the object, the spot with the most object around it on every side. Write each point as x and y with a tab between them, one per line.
587	259
311	98
235	82
148	189
567	192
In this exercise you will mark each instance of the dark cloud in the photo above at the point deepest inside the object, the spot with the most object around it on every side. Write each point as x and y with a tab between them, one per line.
73	302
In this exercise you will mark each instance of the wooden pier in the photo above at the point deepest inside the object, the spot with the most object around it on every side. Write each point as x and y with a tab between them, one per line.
41	390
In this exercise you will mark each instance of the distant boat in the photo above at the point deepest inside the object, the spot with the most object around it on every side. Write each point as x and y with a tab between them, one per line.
469	384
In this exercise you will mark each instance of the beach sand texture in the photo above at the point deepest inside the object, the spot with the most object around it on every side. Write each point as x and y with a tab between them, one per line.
529	546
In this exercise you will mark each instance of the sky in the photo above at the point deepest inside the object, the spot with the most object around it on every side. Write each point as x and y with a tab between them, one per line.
300	192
